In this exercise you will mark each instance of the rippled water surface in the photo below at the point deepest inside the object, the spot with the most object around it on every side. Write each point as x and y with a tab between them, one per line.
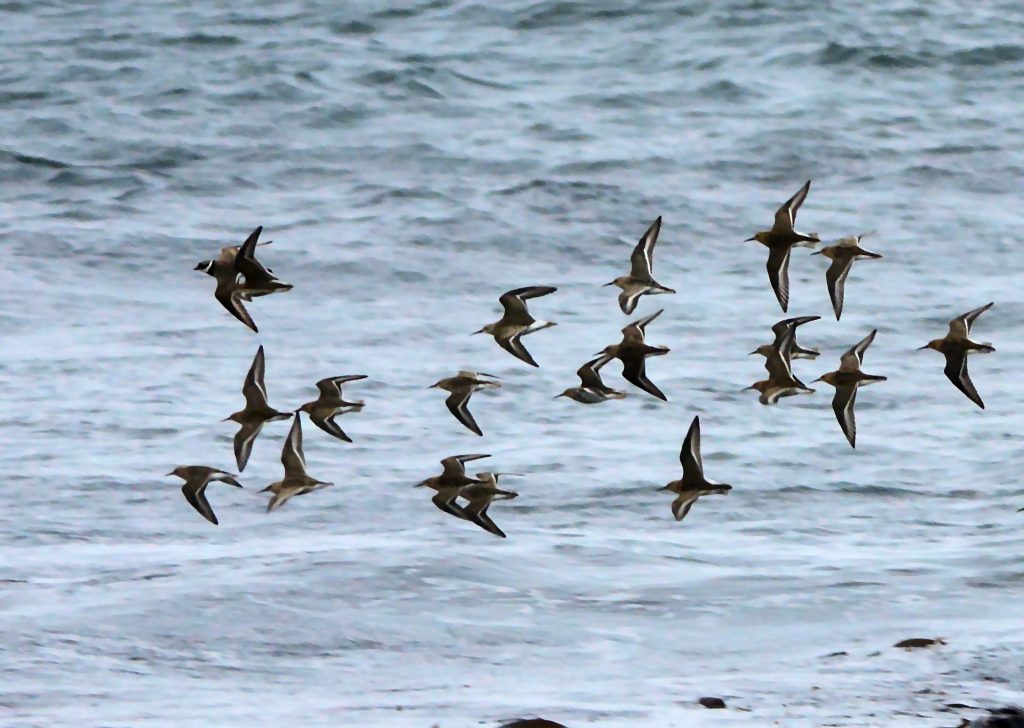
411	162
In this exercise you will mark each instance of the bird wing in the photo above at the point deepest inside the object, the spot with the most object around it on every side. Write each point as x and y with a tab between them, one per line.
515	347
689	455
331	427
479	516
781	327
254	388
835	277
956	371
637	330
246	263
642	259
778	274
456	403
842	405
629	297
682	505
777	364
292	459
454	466
244	439
854	356
785	216
329	388
194	492
960	327
589	376
514	303
445	500
230	298
634	371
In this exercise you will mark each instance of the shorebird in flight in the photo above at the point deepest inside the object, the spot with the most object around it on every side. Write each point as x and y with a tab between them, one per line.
462	386
847	379
693	484
256	412
780	329
640	280
517	322
296	480
592	388
955	346
842	254
781	381
196	478
330	403
633	351
480	496
452	479
233	287
780	241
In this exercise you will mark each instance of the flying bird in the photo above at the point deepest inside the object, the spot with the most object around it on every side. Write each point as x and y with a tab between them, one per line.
592	388
480	496
256	412
517	322
842	254
780	329
847	379
331	403
640	280
461	387
780	241
955	346
693	484
296	480
450	482
633	351
196	478
781	381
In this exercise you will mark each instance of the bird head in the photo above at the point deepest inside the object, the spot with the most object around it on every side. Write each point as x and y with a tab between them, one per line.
933	344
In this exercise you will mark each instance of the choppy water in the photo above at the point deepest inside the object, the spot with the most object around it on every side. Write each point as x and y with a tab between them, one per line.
411	163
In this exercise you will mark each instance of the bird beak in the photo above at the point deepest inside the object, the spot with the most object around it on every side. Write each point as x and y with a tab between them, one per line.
817	252
664	487
819	379
922	348
558	395
746	388
477	332
748	240
430	387
170	473
608	284
752	353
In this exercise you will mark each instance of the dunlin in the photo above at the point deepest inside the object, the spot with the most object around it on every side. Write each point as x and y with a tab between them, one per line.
693	484
592	389
842	254
480	496
196	478
847	379
781	381
256	412
781	328
462	387
780	241
640	280
633	350
296	481
330	403
257	279
452	479
517	321
955	346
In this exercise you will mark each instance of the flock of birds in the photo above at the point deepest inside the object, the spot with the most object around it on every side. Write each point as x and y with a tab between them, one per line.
241	277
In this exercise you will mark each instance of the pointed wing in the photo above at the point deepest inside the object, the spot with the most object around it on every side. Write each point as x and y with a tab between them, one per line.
445	500
330	427
637	330
194	492
515	347
956	371
253	388
689	455
291	454
483	520
634	371
960	327
246	263
589	376
682	505
642	259
230	299
244	439
777	364
456	403
781	327
514	303
842	405
835	277
629	297
785	216
853	358
778	274
454	466
329	388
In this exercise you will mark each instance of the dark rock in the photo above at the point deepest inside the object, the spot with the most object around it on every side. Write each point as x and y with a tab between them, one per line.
712	703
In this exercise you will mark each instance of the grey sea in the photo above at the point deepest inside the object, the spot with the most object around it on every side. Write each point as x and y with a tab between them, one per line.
411	162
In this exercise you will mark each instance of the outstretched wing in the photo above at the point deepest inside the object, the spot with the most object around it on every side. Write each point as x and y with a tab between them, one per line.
457	404
842	405
956	371
642	259
960	327
689	455
778	274
785	216
291	454
254	388
835	278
